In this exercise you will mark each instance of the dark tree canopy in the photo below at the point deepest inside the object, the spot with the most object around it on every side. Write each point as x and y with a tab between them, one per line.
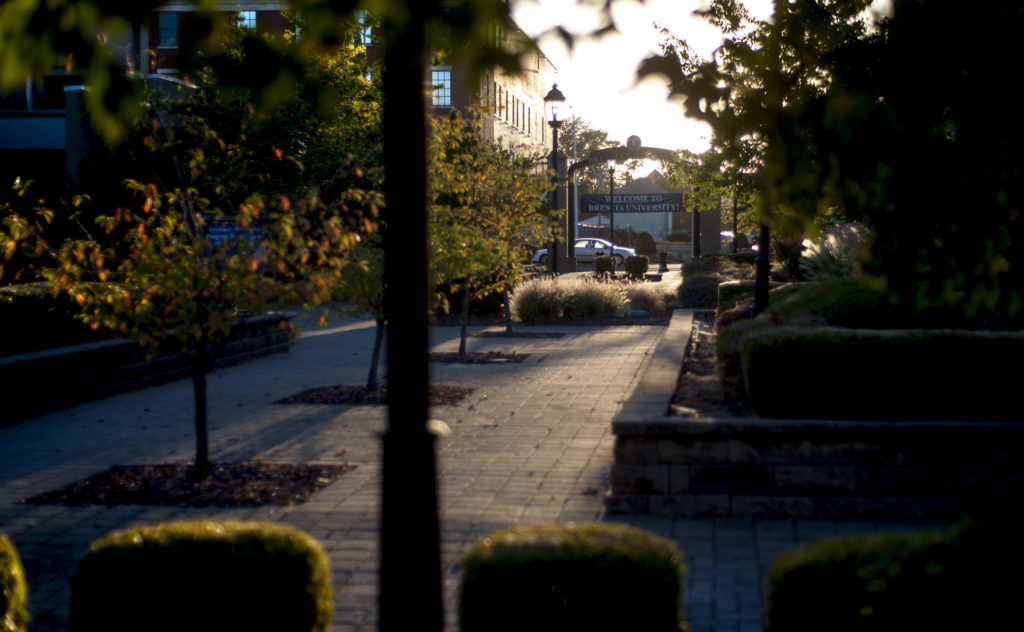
903	121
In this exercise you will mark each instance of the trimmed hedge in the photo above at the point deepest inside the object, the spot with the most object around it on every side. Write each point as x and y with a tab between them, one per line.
603	264
14	615
950	580
203	575
699	291
571	577
836	373
838	302
636	266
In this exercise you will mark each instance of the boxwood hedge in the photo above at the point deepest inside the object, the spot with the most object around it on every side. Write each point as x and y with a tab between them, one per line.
203	575
572	577
926	580
839	373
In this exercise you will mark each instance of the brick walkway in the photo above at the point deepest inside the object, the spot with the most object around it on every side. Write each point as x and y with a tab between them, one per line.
531	444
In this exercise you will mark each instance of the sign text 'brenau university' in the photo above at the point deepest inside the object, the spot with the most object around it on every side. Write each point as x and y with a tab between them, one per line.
632	203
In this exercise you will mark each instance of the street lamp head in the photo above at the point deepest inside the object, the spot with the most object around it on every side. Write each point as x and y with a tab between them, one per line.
553	98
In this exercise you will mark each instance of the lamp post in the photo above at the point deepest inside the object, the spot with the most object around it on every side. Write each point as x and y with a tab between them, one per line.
551	101
611	213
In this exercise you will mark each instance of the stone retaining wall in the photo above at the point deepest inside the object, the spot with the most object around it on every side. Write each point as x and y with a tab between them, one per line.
808	468
34	383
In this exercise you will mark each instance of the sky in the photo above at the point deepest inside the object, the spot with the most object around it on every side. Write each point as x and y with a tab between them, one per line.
598	77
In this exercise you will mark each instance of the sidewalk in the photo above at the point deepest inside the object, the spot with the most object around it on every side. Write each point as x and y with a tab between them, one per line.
532	444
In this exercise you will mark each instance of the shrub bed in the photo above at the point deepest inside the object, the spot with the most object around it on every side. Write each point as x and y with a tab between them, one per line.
834	373
593	298
571	577
203	575
645	244
699	291
548	299
929	580
645	299
603	264
14	615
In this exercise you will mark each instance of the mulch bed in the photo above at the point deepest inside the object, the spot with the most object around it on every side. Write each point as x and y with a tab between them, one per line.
490	333
478	357
241	484
356	394
699	390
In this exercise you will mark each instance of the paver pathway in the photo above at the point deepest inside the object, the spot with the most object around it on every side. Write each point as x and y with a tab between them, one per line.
531	444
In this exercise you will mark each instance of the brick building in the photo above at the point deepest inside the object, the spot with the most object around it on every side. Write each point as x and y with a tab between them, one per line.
513	105
39	137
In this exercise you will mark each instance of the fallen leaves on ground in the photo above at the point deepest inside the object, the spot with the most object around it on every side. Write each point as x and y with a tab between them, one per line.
478	357
241	484
357	394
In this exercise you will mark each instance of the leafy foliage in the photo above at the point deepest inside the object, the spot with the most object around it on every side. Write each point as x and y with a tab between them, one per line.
14	613
836	253
165	273
322	135
362	291
587	138
819	104
486	209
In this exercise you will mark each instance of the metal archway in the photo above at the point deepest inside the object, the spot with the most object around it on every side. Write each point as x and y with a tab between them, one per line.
632	151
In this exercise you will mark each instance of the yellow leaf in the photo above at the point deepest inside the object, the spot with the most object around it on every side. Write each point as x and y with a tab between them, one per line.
80	298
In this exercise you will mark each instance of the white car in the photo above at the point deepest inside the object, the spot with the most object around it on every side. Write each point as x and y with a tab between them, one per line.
586	248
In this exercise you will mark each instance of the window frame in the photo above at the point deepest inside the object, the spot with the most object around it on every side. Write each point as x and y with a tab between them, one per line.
247	19
163	29
441	86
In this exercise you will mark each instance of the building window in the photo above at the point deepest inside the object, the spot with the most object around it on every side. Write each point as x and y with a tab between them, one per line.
365	36
167	22
247	20
441	79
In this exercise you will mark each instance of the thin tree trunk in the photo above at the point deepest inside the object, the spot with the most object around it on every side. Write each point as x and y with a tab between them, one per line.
371	381
199	370
466	297
508	311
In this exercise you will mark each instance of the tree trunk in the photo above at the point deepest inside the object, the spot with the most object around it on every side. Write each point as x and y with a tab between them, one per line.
200	367
466	297
508	311
371	380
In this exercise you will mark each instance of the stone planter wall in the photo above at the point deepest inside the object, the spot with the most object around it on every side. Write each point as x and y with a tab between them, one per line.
809	468
33	383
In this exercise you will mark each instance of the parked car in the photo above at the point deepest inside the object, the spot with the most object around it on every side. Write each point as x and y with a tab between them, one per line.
586	248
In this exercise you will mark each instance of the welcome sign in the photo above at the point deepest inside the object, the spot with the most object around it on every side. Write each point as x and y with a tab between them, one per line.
632	203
